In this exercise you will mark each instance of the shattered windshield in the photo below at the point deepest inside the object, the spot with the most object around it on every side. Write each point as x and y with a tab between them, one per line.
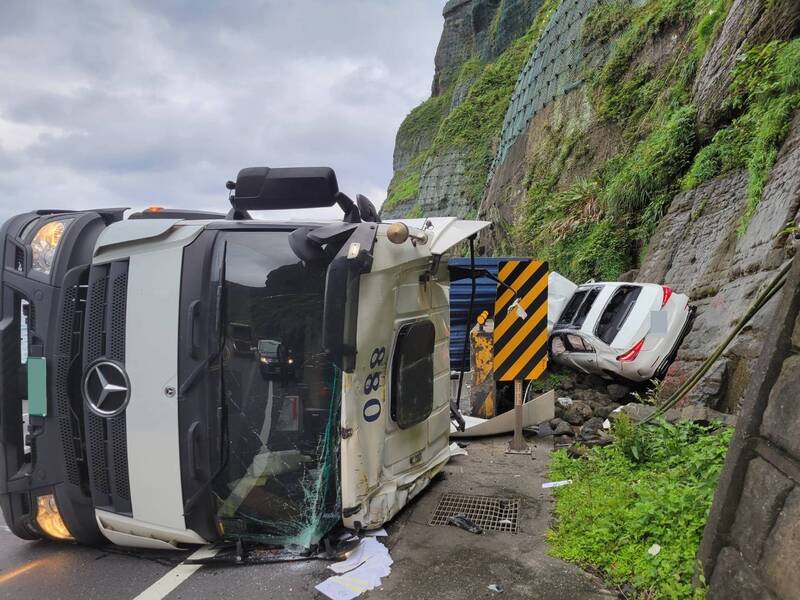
280	481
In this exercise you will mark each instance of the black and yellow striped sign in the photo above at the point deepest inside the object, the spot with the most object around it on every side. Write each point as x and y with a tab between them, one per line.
520	344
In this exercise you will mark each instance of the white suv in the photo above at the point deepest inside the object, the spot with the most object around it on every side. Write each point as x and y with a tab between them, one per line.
627	330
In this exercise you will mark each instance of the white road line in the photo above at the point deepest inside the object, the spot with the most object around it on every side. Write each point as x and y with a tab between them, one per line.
164	586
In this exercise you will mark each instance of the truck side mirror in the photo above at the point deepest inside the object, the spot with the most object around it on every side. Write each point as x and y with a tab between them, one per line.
340	317
341	312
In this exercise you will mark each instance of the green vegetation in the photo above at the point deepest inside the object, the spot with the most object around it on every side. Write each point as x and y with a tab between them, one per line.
420	125
475	124
416	212
600	227
549	381
765	93
654	485
646	178
605	21
425	118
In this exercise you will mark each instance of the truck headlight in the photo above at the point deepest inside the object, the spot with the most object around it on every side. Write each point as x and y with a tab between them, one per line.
45	243
49	520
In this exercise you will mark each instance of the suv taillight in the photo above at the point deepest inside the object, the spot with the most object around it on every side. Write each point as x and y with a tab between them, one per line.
667	293
632	353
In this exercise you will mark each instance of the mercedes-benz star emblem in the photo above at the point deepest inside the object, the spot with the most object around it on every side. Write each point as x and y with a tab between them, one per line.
106	388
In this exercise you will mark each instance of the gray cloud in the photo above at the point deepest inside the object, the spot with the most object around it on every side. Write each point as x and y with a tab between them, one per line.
152	101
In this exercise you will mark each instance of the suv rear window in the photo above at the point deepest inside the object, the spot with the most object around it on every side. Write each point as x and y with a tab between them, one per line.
572	307
616	312
586	306
578	307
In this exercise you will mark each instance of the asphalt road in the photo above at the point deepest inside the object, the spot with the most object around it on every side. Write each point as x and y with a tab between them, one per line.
61	571
430	563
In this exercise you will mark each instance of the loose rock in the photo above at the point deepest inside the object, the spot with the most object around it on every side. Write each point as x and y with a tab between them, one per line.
618	391
577	413
562	428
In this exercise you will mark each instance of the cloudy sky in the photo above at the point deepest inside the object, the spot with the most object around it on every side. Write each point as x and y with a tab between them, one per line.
141	102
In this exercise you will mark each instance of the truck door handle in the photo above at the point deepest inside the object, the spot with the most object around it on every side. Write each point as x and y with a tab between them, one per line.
193	315
192	453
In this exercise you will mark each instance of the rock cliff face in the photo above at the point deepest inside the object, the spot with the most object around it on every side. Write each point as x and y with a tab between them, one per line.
697	249
610	135
430	169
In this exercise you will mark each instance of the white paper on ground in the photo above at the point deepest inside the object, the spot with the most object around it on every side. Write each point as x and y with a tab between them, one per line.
552	484
336	590
359	573
376	533
654	549
368	549
540	409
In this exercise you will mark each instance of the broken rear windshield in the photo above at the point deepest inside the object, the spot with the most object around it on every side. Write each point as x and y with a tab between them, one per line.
616	312
578	307
280	480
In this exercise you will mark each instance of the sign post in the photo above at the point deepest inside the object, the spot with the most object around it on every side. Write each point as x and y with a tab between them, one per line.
520	334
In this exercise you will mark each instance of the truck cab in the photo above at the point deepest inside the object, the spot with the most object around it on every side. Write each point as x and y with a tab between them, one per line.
193	377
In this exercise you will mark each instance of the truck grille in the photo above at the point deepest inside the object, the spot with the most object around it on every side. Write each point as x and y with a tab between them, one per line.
68	353
106	441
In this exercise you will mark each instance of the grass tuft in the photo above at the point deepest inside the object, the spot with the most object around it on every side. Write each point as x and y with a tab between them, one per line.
654	485
765	96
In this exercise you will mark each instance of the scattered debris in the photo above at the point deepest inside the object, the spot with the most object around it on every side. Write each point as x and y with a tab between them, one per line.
564	402
376	533
606	424
362	571
654	549
535	411
456	450
496	588
462	522
553	484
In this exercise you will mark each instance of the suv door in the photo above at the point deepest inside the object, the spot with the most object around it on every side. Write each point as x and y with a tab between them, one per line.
580	352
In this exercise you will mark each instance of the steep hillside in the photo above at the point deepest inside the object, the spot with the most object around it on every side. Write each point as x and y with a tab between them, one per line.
612	135
445	145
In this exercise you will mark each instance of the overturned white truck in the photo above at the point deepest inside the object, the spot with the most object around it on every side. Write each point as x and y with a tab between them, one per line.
192	376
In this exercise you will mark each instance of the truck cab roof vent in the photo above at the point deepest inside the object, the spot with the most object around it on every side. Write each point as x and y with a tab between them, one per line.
174	213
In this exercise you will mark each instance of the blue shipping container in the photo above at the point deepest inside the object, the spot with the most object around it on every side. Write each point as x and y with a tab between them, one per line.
485	292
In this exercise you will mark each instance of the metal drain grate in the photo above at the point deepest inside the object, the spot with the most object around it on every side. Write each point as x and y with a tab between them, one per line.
497	514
